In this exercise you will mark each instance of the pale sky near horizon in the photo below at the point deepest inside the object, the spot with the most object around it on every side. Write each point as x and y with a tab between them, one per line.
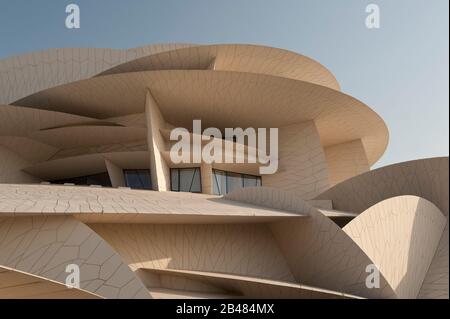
400	70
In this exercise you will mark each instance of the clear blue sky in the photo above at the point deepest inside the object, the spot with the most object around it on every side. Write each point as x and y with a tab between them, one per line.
400	70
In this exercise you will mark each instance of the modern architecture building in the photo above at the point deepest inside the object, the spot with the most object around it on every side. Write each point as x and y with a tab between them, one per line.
88	180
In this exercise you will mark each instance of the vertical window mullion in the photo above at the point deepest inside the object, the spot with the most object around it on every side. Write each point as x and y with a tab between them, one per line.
192	180
200	176
226	182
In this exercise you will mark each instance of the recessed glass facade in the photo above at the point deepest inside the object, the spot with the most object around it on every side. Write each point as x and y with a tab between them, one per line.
101	179
186	180
138	178
226	182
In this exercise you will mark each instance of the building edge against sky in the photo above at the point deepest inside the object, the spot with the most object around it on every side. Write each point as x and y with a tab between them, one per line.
73	118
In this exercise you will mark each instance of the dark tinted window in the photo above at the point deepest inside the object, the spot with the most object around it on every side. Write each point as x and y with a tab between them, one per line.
138	178
226	182
234	181
186	180
101	179
219	182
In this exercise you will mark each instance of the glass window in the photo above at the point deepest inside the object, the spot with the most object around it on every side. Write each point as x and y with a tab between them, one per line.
250	181
145	179
138	178
186	180
196	186
174	181
234	181
186	177
226	182
219	182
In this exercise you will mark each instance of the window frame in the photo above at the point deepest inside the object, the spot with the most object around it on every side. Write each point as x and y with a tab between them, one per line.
196	169
137	171
242	176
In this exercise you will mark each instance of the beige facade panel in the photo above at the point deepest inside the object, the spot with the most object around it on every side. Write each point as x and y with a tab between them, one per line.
213	285
318	252
239	249
36	136
346	160
172	285
238	58
44	246
400	235
273	198
160	172
124	205
132	120
206	178
29	73
89	136
33	72
321	203
428	179
150	49
19	285
302	168
115	174
435	284
219	99
11	166
30	150
20	121
239	217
